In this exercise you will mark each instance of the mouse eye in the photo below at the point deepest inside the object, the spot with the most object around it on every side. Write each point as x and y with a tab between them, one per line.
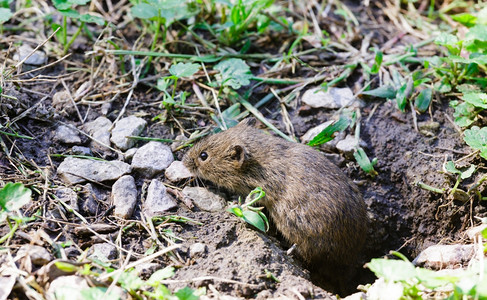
203	155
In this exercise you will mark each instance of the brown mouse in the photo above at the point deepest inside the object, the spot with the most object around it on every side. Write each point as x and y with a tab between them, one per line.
311	201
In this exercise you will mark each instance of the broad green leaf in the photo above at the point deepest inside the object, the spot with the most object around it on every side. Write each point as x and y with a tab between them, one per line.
186	293
326	134
234	72
385	91
395	270
476	99
5	14
423	100
87	18
254	219
66	267
443	86
12	197
468	173
66	4
446	39
464	114
159	275
184	69
450	167
364	161
130	280
477	138
465	19
432	279
70	13
144	11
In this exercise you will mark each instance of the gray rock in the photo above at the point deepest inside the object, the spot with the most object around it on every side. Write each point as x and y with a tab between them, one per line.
197	250
313	132
37	58
158	200
38	255
68	196
124	196
439	257
334	98
204	199
91	197
77	170
348	145
99	129
146	269
152	158
129	154
130	126
178	141
67	287
80	150
177	171
104	251
66	135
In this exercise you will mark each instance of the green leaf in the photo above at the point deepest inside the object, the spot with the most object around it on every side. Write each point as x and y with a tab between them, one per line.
5	14
98	293
423	100
403	95
364	161
12	197
395	270
144	11
186	293
236	211
66	267
464	114
476	99
468	173
87	18
254	219
465	19
157	276
450	167
184	69
326	134
385	91
130	280
70	13
477	138
234	72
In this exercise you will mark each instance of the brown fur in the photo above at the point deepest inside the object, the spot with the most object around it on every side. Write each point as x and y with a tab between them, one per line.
311	201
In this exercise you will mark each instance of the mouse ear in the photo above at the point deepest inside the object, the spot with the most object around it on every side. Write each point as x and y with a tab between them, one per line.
238	154
250	121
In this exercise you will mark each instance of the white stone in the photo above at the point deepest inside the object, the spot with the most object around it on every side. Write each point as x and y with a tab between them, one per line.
158	200
197	249
104	251
130	126
124	196
445	256
347	145
334	98
67	287
152	158
99	129
177	171
77	170
204	199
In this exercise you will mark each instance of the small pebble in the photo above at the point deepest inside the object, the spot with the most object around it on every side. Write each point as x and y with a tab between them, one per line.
80	150
197	250
124	196
152	158
177	171
68	196
205	199
334	98
439	257
130	126
37	58
99	129
158	200
76	170
66	135
104	251
38	255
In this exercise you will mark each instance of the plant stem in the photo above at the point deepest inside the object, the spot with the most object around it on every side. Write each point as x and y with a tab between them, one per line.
65	31
430	188
11	233
71	41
